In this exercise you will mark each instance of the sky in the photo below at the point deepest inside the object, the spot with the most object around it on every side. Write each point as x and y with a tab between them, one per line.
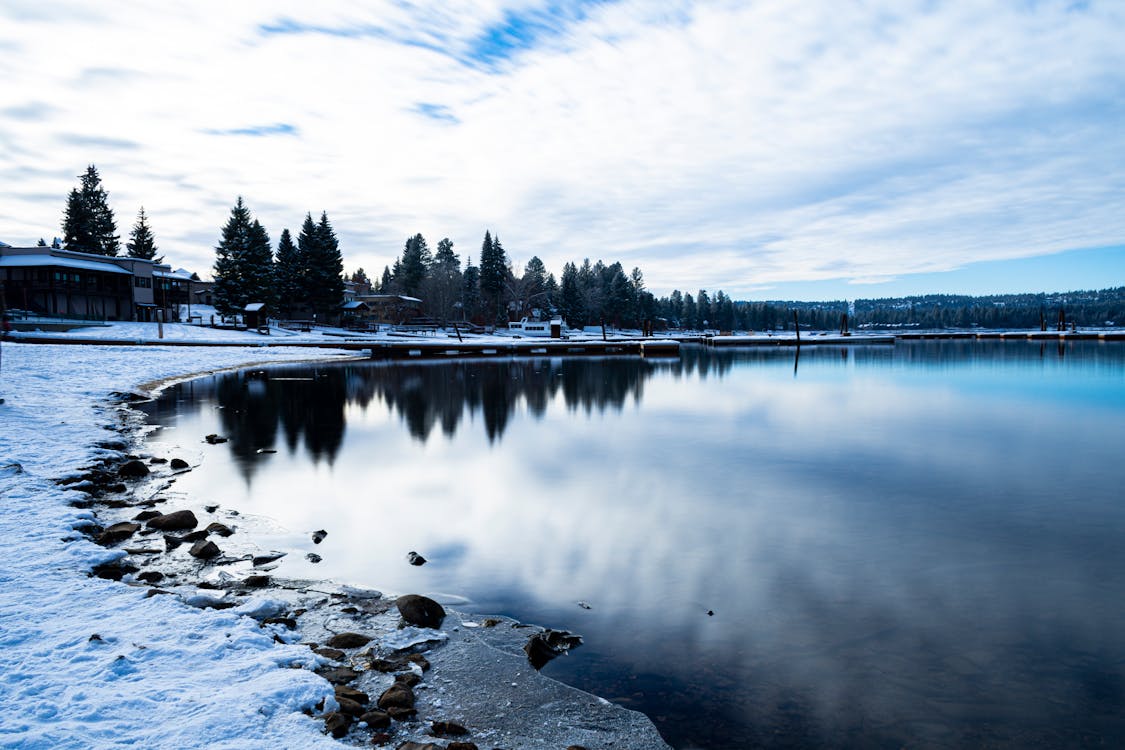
771	149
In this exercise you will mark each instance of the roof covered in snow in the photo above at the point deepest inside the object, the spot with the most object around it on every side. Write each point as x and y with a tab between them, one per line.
52	261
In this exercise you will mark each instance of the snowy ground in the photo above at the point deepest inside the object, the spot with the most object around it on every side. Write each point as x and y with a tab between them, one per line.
91	663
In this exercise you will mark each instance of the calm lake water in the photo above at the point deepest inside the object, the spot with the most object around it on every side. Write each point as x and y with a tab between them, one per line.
920	545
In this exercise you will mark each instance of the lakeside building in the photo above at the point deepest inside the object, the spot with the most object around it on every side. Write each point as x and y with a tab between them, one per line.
63	283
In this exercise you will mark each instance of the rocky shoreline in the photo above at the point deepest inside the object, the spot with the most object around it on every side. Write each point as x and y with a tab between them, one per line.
406	673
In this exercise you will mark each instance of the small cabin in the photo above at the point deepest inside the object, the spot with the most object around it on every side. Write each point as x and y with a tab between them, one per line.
254	316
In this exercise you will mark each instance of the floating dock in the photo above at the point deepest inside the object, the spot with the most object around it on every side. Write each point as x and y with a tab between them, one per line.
422	349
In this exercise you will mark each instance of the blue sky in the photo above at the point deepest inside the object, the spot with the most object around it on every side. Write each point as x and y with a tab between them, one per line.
766	148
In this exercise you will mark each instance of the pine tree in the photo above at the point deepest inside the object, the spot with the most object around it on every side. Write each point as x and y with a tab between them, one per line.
493	275
243	270
415	265
324	268
470	290
141	242
288	274
570	298
42	243
443	287
88	223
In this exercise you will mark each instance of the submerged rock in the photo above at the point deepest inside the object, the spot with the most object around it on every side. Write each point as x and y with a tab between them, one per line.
179	520
118	532
420	611
542	647
133	470
348	640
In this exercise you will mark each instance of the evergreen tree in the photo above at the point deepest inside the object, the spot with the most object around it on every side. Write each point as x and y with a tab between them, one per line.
415	266
42	243
288	275
359	278
386	283
141	243
243	270
493	275
88	223
570	298
325	269
470	290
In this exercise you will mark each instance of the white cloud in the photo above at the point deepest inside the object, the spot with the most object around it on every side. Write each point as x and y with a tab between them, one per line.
714	145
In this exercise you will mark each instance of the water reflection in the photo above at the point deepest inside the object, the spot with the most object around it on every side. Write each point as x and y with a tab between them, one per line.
917	545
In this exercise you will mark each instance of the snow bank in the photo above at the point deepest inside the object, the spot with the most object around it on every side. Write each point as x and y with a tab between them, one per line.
88	663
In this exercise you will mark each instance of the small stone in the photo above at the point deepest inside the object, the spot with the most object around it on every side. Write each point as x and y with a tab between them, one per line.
420	611
402	714
461	746
376	719
313	557
409	679
210	508
118	532
575	747
204	550
267	559
146	515
343	691
155	460
415	559
178	464
214	439
219	529
334	654
396	696
418	746
94	637
542	647
381	738
318	536
171	542
151	576
178	520
420	660
337	724
350	707
195	536
448	729
348	640
338	675
288	622
133	470
257	581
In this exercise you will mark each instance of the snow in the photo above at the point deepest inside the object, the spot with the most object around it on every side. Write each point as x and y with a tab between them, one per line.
86	662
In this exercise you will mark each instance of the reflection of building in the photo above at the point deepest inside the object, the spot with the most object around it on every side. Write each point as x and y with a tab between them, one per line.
51	281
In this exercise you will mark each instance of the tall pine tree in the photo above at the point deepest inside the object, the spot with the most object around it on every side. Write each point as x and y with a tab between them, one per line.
415	267
88	223
243	270
324	269
493	276
288	275
141	242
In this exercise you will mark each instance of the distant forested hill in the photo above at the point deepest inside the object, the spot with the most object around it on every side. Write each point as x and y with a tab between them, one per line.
1105	307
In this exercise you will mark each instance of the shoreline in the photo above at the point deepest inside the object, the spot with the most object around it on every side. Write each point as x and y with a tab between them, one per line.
477	676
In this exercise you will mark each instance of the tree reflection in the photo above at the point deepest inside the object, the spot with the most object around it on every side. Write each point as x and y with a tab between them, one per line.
307	406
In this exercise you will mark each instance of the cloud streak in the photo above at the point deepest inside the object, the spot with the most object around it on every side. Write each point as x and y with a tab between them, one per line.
713	144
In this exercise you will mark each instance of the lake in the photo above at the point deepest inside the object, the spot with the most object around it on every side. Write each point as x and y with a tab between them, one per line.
915	545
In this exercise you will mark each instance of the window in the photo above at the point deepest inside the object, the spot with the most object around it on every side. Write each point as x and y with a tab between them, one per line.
143	283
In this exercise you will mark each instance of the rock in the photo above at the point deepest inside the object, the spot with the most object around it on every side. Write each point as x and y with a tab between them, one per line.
350	707
376	719
178	520
448	729
575	747
334	654
214	439
204	550
178	464
318	536
116	487
210	508
409	679
146	515
267	559
396	696
415	559
418	746
402	714
337	724
133	470
219	529
420	611
338	675
288	622
257	581
348	640
155	460
194	536
542	647
114	571
461	746
343	691
171	542
313	557
151	576
118	532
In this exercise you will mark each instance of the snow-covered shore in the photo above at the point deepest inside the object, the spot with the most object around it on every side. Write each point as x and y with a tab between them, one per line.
88	663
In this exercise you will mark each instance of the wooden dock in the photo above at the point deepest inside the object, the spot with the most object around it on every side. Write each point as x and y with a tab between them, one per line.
1015	335
420	349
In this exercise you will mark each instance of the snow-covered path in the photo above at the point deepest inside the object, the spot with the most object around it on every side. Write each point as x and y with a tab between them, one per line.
158	673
